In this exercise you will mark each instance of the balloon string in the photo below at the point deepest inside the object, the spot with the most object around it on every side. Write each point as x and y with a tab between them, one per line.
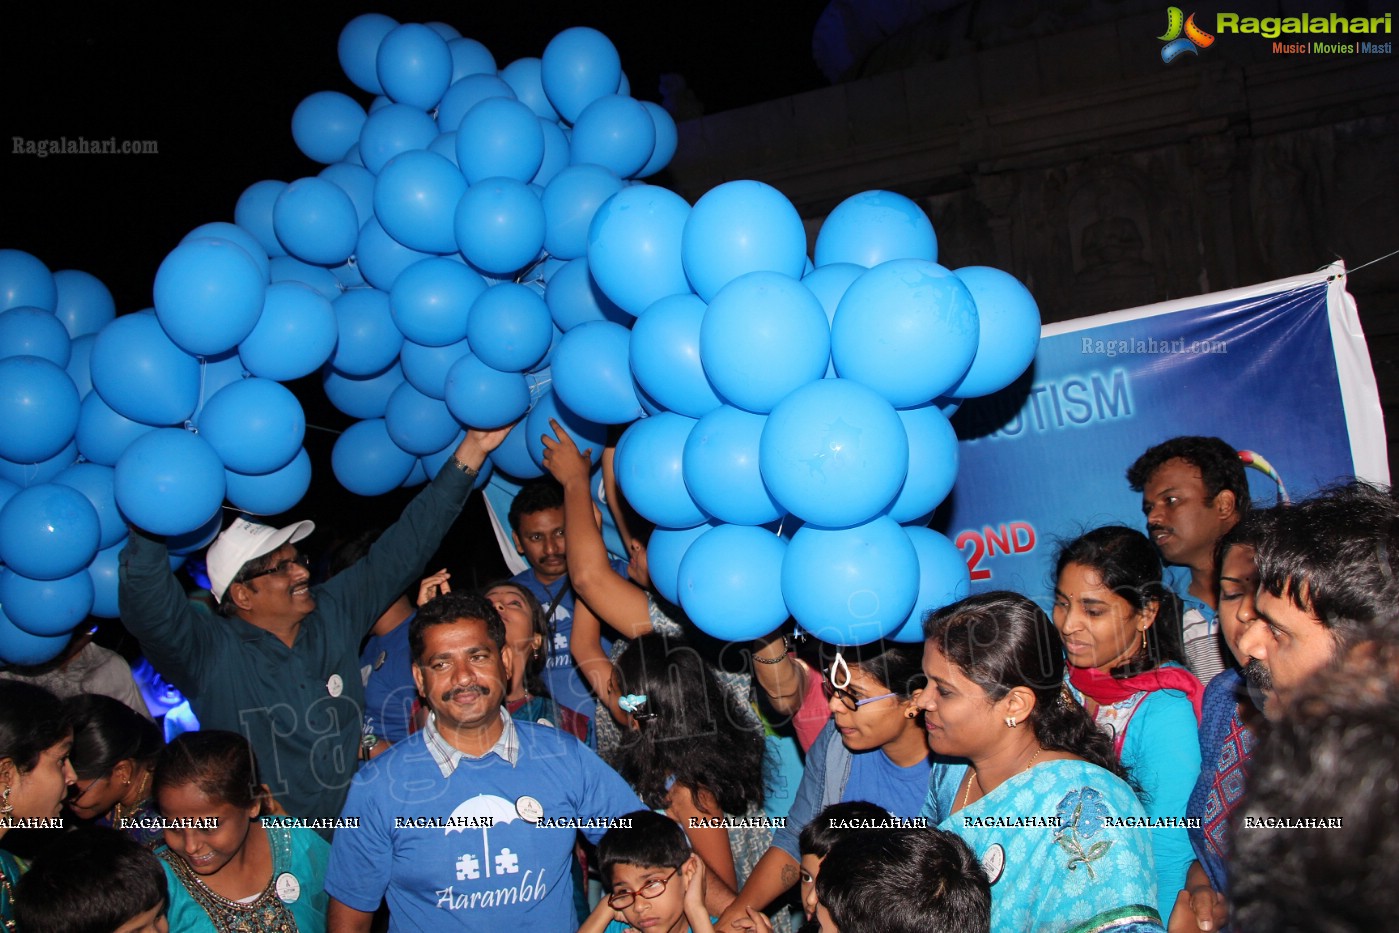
840	672
317	427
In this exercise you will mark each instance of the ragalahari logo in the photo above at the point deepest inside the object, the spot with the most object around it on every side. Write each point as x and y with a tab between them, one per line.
1193	36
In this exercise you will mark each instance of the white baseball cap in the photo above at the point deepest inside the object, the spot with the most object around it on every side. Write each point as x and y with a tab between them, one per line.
244	541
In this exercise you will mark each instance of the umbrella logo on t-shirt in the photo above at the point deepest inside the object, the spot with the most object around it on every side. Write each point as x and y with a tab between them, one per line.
486	810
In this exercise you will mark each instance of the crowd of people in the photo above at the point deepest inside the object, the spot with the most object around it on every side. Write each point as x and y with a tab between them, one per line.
1192	727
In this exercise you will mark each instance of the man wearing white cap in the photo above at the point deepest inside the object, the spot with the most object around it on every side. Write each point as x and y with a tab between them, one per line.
282	667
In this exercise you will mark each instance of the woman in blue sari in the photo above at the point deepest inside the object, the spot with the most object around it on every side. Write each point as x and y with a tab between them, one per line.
1032	786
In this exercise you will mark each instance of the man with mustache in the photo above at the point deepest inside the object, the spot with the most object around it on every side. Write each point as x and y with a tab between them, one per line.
1193	491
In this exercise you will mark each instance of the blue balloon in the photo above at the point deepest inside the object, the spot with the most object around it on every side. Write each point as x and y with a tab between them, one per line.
834	453
525	79
588	435
512	457
79	367
650	470
356	181
196	540
7	490
348	275
295	334
466	93
358	49
721	468
38	407
665	356
556	152
932	463
169	481
214	374
888	320
102	434
34	332
741	227
500	225
141	375
392	129
874	227
369	340
664	554
1009	332
667	138
570	202
286	269
419	423
30	474
432	299
486	398
97	483
19	647
48	531
634	247
445	145
579	66
414	65
367	462
254	425
104	573
592	373
316	221
25	282
326	124
381	258
46	607
853	586
253	213
731	582
615	132
763	336
270	493
446	31
573	298
427	367
416	199
943	579
366	397
83	304
499	138
209	293
469	57
218	230
509	328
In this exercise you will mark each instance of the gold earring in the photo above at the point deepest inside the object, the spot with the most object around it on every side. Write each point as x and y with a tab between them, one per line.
5	806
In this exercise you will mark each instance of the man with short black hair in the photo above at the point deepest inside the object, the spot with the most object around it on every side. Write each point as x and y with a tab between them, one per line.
93	879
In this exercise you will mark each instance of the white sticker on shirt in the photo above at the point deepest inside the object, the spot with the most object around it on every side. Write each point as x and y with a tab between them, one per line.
994	861
288	888
335	685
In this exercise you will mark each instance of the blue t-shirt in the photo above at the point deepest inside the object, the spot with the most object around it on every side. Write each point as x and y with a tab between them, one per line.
492	864
386	670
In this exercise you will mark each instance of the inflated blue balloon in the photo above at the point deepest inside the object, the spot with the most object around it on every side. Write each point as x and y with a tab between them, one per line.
366	397
890	320
253	213
254	425
348	275
414	65
369	339
34	332
427	367
469	57
466	93
367	462
664	553
358	49
592	373
25	282
431	301
7	490
512	456
286	269
98	484
48	531
873	227
943	578
356	181
500	225
741	227
445	145
615	132
169	481
499	138
270	493
19	647
588	435
574	297
650	469
483	397
731	582
38	407
381	258
218	230
1009	333
853	586
932	463
834	453
196	540
509	328
829	284
665	356
316	221
209	293
392	129
416	198
104	573
214	374
634	247
525	79
102	434
84	305
30	474
763	336
295	334
419	423
556	151
667	138
721	468
79	367
46	607
579	65
570	202
326	125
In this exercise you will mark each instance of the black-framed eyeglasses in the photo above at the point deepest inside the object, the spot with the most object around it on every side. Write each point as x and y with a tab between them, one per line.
650	890
848	699
282	567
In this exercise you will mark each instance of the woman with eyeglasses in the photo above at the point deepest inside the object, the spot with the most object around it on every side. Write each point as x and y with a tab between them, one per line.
872	749
114	754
